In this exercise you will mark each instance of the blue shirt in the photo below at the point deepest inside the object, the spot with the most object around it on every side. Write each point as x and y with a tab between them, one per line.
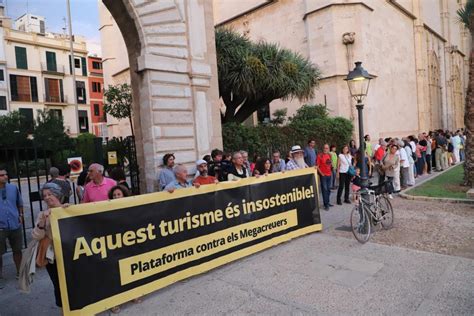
10	200
166	177
176	185
310	156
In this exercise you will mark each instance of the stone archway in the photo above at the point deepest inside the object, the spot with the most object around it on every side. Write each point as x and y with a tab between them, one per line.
173	71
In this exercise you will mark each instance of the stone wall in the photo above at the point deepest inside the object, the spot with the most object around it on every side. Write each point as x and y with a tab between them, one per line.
172	60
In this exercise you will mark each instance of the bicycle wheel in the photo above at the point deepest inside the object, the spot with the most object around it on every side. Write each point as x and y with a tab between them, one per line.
360	224
387	212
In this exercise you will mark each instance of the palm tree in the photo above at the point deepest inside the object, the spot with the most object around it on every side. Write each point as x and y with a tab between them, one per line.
251	75
466	17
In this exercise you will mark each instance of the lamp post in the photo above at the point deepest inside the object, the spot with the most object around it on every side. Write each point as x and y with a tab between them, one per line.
358	81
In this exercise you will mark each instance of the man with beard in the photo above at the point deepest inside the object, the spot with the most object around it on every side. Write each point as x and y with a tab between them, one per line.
237	171
297	159
203	178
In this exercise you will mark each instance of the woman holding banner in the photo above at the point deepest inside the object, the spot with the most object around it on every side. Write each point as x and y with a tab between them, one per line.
52	195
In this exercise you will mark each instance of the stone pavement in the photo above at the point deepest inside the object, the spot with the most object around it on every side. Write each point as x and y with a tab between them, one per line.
314	274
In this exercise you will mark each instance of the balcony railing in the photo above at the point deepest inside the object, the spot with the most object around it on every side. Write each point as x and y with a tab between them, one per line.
60	69
55	99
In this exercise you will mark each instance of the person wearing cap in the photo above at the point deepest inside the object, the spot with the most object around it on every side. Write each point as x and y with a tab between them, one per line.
297	160
203	177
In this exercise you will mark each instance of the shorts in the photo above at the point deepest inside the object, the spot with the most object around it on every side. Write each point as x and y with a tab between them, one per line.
15	238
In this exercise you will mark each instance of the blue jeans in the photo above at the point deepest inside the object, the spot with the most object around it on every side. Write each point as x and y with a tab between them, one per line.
333	178
325	188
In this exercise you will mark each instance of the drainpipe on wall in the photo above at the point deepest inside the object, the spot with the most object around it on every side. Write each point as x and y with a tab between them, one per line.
348	40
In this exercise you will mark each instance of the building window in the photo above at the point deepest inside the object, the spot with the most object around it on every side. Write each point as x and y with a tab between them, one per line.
96	110
77	63
2	76
54	90
83	122
51	61
56	113
23	88
263	114
3	103
21	60
81	92
96	65
84	66
27	119
96	87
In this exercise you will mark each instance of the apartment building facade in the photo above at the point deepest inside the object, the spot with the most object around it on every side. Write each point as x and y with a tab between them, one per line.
40	71
96	88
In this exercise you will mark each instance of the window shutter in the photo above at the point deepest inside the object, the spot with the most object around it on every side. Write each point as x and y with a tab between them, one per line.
46	90
70	64
34	89
51	61
61	91
21	61
3	103
2	76
13	88
84	66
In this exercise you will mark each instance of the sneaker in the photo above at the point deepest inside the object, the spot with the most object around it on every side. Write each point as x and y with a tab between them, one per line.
330	205
3	282
339	203
326	208
390	197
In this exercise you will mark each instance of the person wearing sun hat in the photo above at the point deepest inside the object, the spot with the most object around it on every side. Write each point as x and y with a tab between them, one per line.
297	159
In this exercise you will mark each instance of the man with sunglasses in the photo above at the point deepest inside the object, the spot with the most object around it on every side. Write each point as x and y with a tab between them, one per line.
11	218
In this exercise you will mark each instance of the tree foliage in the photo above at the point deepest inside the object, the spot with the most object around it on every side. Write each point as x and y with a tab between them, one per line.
118	102
13	131
49	131
251	75
310	122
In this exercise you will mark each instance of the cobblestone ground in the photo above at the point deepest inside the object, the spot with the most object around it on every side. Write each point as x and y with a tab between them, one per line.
445	228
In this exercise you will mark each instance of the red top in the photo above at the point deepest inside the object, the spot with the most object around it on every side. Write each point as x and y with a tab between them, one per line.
379	154
205	180
324	163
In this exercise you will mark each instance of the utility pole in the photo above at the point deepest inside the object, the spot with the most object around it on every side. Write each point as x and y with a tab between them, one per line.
73	67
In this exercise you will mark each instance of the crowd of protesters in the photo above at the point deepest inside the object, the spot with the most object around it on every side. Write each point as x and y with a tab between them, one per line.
399	160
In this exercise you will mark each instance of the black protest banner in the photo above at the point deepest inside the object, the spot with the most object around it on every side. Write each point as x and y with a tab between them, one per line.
114	251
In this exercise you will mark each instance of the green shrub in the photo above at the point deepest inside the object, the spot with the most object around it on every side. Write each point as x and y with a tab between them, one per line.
310	122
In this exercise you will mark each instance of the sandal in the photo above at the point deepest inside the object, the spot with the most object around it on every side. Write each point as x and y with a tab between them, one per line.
115	310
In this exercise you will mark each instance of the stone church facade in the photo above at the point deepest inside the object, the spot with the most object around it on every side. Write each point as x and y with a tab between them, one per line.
415	49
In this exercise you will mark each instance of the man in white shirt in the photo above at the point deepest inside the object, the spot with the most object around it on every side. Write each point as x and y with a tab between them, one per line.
404	166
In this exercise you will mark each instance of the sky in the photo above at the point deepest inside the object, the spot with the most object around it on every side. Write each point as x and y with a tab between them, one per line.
85	17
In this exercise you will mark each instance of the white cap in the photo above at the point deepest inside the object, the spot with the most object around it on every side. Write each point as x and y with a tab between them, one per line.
200	162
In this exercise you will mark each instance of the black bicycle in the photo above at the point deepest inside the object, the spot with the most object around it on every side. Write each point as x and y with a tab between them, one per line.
373	208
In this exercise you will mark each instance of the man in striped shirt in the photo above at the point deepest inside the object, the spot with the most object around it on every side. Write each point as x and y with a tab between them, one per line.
297	161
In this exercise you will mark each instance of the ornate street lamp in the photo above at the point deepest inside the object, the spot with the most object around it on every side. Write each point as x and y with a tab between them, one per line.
358	81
